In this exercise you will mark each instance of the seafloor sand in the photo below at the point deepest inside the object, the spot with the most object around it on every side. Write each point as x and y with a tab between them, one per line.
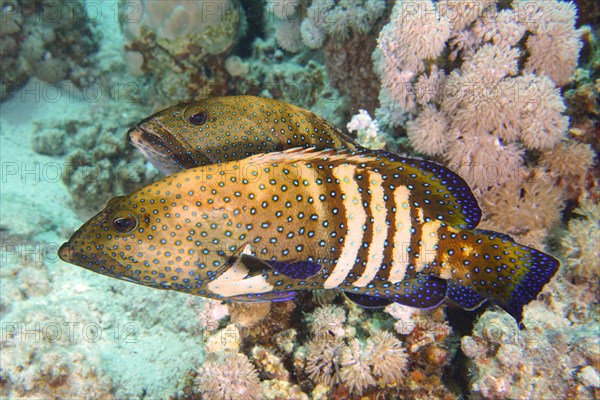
143	339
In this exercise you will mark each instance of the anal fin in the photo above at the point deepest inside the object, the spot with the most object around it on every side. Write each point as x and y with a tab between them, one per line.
464	296
420	292
297	269
367	301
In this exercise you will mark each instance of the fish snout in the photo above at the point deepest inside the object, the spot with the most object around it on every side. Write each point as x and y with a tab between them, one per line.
134	135
65	252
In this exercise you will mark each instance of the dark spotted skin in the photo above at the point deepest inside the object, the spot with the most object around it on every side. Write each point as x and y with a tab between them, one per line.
222	129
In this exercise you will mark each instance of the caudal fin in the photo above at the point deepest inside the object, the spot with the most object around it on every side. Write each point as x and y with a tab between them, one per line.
483	265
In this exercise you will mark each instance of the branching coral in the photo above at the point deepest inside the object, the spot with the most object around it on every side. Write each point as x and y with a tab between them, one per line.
478	85
233	378
581	245
488	95
525	208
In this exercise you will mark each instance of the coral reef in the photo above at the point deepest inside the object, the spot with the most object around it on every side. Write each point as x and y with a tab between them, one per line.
181	45
232	378
99	162
478	87
503	92
549	360
37	41
356	355
298	80
342	30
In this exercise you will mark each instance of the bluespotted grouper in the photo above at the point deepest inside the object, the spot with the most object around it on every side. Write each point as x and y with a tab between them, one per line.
380	227
229	128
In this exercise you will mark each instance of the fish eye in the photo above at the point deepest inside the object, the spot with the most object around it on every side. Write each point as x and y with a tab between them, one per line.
124	224
198	118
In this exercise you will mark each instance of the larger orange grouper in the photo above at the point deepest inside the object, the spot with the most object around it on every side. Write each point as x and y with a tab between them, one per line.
380	227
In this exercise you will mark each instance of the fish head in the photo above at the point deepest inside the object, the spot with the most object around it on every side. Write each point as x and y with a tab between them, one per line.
230	128
108	242
170	139
167	236
123	241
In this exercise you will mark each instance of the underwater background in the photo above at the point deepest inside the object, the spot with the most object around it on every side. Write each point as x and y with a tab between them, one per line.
504	92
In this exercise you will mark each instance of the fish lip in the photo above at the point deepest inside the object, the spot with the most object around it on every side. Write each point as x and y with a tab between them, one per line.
138	129
130	132
65	252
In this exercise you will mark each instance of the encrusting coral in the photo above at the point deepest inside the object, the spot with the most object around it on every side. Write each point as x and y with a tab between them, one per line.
181	45
37	41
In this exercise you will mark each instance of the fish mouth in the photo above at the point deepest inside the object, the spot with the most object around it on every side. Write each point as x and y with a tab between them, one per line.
138	135
68	254
65	253
161	149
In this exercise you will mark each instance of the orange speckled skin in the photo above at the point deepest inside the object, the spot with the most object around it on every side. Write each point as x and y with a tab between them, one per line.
231	230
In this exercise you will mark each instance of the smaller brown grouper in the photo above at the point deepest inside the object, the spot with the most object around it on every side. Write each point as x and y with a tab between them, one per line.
380	227
230	128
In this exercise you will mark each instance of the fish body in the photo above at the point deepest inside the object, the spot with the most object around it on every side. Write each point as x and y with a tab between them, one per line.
230	128
380	227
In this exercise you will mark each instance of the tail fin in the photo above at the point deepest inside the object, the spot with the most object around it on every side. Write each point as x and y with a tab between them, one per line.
484	265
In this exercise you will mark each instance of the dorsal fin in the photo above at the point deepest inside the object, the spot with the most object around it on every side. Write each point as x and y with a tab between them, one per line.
440	192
